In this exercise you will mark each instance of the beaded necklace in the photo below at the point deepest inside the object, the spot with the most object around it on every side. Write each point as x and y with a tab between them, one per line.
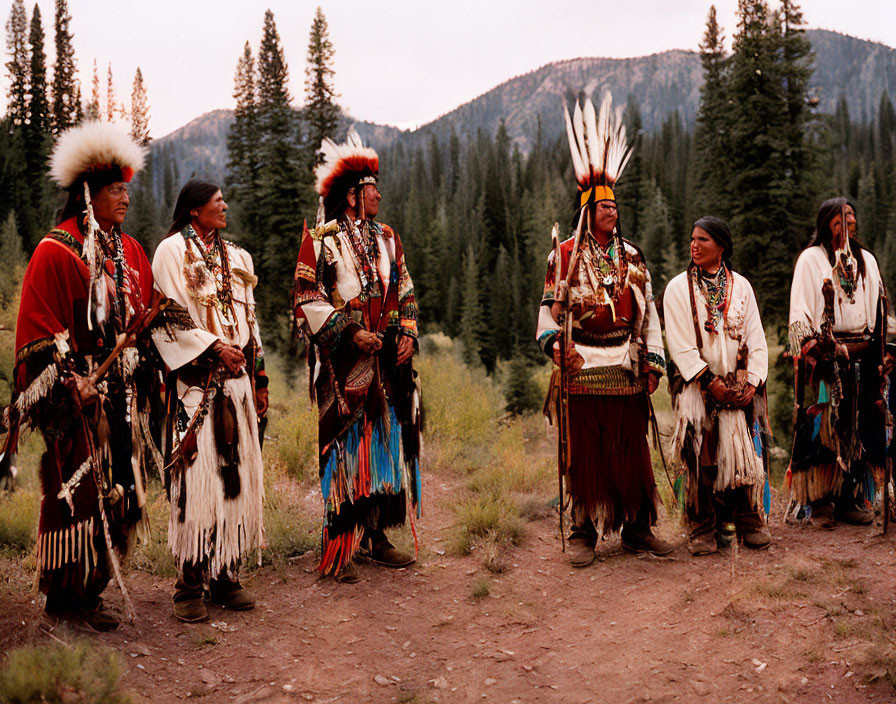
114	252
214	255
365	253
715	288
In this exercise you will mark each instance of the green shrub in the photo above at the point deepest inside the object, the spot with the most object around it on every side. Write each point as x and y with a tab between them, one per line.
51	674
19	511
289	530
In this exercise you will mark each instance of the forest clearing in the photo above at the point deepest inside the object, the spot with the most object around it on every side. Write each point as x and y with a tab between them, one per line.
491	611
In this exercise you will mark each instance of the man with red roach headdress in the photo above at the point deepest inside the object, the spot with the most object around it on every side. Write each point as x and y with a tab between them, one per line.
599	323
87	287
355	300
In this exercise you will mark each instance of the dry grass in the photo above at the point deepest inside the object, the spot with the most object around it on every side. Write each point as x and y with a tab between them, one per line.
78	674
153	556
480	588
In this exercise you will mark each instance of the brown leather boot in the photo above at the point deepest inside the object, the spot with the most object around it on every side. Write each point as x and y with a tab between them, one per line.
639	541
348	574
757	539
703	544
580	550
229	593
188	604
382	552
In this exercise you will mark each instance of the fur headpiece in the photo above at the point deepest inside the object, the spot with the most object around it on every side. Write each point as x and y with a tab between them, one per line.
92	150
599	149
344	166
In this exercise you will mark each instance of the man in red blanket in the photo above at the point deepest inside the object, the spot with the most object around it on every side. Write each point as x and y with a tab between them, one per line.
87	284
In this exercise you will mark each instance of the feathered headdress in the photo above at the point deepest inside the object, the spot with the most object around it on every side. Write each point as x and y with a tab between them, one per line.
344	166
89	156
95	149
599	149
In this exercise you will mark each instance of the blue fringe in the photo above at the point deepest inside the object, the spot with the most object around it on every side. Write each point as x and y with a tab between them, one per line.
385	458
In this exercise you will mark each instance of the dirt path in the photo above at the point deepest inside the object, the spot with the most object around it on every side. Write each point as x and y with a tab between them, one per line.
799	622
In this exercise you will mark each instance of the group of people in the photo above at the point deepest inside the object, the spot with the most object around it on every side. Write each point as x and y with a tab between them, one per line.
123	365
599	322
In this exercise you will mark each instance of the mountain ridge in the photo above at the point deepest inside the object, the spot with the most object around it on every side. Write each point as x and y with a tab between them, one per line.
660	83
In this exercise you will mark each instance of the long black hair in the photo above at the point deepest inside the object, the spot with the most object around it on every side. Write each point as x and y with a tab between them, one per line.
194	194
721	234
824	237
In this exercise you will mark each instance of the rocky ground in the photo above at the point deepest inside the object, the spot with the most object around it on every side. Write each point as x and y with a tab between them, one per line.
808	620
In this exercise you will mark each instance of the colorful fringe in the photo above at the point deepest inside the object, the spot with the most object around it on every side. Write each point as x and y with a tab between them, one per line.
365	468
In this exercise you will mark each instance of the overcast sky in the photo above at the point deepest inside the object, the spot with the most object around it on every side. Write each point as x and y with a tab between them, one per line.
399	62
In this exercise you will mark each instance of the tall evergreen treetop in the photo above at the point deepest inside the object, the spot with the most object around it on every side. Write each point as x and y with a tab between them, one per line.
112	108
273	73
17	66
140	110
38	105
242	141
93	110
712	120
321	111
67	109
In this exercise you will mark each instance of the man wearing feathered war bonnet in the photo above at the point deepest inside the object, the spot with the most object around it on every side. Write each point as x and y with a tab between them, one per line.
355	300
720	357
86	285
598	304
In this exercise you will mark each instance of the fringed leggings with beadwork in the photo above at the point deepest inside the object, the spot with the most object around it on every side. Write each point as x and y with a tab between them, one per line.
365	481
847	443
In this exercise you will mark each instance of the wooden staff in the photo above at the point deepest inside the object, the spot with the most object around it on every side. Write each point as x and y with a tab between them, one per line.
561	296
127	339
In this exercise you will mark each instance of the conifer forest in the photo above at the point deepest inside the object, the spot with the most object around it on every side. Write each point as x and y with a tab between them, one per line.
475	211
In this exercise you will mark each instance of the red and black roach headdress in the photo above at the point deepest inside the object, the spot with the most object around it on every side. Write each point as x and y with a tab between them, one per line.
345	166
599	149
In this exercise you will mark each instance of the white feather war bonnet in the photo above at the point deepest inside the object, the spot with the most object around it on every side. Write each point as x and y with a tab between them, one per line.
96	153
599	149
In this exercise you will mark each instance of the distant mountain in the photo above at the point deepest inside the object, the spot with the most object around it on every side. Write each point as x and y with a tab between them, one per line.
200	146
856	68
660	83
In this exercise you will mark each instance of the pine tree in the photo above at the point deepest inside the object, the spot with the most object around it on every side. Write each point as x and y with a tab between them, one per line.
713	117
140	110
768	83
93	111
321	111
67	109
34	209
242	148
283	186
520	389
17	66
38	105
471	310
112	109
